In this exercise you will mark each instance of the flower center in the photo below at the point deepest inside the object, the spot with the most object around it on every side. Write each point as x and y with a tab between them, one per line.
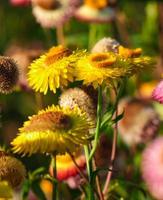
98	4
102	60
62	121
49	121
129	53
3	154
47	4
56	53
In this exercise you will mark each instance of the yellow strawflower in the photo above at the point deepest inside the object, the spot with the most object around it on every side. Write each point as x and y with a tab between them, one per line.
53	130
99	4
6	192
52	70
104	68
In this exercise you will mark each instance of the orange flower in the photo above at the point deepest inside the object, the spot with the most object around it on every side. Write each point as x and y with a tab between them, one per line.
66	167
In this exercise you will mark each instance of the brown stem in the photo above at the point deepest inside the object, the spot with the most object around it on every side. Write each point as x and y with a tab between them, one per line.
60	35
80	172
77	167
99	190
113	154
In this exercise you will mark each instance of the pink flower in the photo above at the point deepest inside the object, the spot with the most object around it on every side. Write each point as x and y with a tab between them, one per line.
158	93
19	2
152	168
49	15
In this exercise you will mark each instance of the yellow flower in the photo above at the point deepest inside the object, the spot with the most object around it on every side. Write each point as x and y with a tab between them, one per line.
125	52
99	4
5	191
53	130
47	188
53	69
99	68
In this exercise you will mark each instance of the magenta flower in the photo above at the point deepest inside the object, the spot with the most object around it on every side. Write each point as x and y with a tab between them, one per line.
19	2
158	92
152	168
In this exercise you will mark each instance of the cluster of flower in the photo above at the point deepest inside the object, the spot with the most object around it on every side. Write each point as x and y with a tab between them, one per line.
64	129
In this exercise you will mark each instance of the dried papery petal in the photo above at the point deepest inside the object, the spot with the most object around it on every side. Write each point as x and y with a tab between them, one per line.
125	52
55	69
105	68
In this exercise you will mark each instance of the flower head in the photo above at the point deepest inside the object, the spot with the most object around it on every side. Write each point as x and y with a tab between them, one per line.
11	170
129	53
151	167
6	192
8	74
53	130
158	93
95	11
47	188
50	13
140	122
98	68
105	45
53	69
66	167
78	97
23	57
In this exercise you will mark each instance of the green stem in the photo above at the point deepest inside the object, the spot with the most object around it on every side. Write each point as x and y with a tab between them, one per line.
89	171
92	35
55	184
86	149
97	133
77	167
114	144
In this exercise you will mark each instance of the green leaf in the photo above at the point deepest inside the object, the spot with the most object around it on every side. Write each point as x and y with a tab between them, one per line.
106	118
26	188
38	171
118	118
